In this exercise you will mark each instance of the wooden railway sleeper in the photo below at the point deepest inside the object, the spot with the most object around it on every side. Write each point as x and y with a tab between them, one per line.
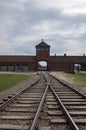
3	105
69	86
66	113
34	123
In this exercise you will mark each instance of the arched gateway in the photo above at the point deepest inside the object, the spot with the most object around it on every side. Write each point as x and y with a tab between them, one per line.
33	63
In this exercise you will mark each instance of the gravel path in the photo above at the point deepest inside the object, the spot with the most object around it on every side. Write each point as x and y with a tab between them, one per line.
15	89
62	76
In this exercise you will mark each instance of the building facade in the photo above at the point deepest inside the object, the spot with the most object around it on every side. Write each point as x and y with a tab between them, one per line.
31	63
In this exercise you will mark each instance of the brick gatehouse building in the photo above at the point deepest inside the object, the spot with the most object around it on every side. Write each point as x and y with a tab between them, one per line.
32	63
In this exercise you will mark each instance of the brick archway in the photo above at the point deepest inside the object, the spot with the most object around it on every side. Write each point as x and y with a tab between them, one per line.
42	65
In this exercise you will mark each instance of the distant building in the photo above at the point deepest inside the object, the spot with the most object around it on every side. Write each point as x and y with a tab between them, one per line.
32	63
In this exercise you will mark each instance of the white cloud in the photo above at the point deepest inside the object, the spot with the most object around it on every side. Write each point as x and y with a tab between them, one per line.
6	48
74	11
23	23
54	3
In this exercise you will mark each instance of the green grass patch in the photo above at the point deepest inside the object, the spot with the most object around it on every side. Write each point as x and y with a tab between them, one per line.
79	78
9	80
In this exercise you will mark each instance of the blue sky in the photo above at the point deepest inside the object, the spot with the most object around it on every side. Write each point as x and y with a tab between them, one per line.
23	23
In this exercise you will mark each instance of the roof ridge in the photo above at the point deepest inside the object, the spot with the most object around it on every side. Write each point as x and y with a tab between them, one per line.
42	43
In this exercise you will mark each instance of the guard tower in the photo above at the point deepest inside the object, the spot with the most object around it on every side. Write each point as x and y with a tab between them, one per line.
42	53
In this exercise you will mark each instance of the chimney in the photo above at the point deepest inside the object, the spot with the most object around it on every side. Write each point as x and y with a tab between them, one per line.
65	54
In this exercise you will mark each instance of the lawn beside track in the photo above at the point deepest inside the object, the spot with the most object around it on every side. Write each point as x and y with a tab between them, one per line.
9	80
79	78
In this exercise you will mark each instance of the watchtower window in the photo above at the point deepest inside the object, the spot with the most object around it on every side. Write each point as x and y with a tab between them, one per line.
42	48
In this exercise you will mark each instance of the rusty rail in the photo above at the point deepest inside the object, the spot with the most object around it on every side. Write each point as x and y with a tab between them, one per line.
34	123
16	95
66	113
69	86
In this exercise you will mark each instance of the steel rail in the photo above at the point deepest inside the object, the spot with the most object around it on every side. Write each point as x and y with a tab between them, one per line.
2	106
69	86
34	123
66	113
44	77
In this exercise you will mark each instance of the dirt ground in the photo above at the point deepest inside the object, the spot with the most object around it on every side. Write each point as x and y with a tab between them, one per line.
63	76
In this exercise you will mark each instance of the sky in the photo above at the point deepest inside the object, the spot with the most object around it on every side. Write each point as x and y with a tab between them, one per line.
60	23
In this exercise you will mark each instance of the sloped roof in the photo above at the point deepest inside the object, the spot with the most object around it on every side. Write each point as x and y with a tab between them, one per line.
17	58
42	44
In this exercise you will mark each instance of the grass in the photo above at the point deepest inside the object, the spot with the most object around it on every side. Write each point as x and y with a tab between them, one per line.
79	78
9	80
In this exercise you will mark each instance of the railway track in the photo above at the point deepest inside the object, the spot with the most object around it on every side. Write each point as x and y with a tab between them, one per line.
48	104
